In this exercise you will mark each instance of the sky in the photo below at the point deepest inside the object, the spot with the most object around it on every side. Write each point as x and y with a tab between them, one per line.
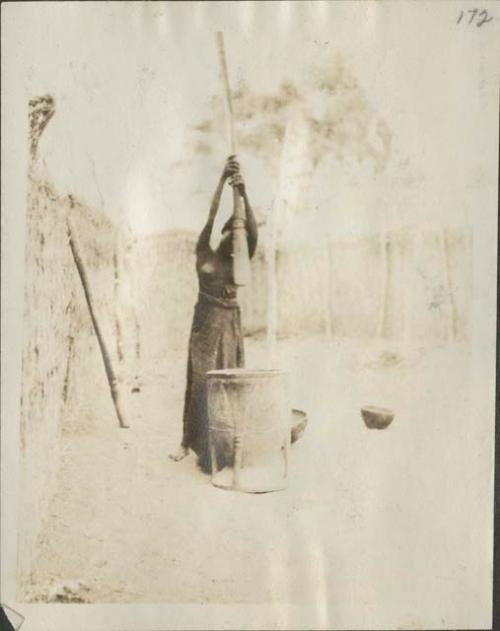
131	79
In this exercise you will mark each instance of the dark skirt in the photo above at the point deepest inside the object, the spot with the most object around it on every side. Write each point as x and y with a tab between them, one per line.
216	342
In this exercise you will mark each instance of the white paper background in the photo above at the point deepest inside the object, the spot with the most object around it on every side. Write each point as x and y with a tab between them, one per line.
435	80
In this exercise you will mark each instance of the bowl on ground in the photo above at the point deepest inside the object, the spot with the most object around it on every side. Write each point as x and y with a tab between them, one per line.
376	417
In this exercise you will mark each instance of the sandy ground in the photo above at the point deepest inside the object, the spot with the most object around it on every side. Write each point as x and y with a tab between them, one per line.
372	521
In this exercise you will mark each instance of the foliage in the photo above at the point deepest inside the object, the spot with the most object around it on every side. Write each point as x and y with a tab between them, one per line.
340	121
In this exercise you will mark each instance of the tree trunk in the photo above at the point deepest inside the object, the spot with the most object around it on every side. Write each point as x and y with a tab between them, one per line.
272	289
331	280
327	299
383	324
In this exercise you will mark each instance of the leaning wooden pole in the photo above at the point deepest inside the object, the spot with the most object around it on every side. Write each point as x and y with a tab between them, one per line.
110	374
241	260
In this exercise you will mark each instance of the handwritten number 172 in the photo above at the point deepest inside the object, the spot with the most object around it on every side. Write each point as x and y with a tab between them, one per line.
480	17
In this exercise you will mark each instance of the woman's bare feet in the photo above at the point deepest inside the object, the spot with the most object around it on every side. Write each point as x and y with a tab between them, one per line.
180	454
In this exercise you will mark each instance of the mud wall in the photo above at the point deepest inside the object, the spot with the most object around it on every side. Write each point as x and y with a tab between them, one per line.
48	341
61	358
411	286
401	285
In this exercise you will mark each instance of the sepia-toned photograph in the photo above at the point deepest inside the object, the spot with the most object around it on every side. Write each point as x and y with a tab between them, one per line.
249	314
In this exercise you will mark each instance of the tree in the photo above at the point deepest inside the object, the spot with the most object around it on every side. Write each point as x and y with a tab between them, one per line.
327	118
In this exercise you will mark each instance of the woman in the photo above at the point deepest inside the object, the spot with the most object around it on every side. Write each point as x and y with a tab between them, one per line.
216	335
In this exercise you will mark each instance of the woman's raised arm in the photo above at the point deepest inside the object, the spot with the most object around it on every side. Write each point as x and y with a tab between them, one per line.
251	225
206	233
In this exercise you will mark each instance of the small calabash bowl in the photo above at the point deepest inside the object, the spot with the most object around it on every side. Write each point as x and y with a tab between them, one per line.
376	417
